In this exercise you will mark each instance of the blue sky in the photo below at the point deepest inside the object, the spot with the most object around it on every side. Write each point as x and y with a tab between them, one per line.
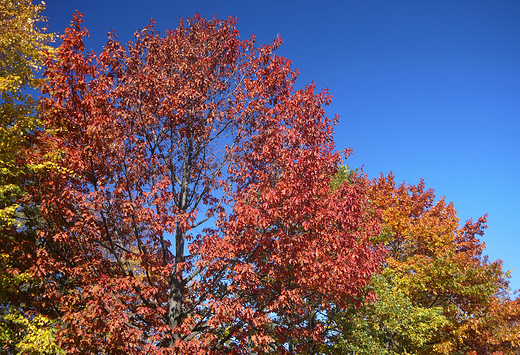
426	89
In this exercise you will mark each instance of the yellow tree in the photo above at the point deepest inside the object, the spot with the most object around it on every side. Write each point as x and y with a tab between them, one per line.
23	47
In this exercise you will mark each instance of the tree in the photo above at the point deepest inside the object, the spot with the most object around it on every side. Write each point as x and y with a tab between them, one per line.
437	294
192	209
23	47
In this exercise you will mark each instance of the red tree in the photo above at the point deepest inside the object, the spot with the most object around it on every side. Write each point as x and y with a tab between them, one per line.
194	128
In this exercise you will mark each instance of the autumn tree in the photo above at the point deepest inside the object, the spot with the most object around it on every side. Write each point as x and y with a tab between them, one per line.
437	293
23	47
192	210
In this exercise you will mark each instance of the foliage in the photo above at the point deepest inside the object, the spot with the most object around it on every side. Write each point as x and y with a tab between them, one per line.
437	294
23	47
22	335
173	133
392	324
442	265
185	198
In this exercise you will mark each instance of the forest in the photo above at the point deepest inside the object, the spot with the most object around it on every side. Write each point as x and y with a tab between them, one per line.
178	195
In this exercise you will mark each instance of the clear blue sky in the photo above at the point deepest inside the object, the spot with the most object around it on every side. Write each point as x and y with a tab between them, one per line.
425	89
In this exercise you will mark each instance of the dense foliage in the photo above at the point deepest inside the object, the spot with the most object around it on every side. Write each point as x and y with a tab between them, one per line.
437	293
23	47
177	195
178	132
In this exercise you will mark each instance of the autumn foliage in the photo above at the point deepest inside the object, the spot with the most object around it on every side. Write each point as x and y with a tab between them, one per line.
191	210
24	44
182	197
437	293
440	265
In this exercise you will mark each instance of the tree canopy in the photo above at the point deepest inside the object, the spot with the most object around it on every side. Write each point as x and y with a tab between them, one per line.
191	209
178	195
437	293
24	45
